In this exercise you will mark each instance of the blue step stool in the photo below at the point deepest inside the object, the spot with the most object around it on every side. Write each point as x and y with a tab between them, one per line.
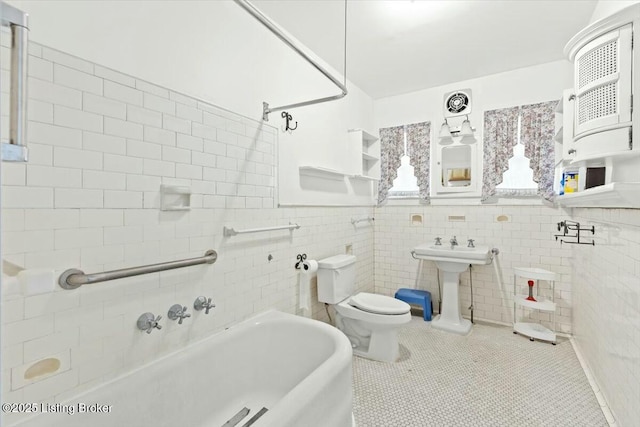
417	297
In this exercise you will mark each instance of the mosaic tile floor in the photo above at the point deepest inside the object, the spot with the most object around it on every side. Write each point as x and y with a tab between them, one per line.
490	377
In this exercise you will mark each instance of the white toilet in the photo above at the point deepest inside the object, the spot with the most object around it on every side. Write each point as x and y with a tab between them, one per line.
370	321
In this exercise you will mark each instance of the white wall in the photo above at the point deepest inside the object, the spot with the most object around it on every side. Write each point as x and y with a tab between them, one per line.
529	85
101	144
607	306
526	240
217	52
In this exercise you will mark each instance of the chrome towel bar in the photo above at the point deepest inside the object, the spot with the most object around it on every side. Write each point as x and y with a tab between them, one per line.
228	232
73	278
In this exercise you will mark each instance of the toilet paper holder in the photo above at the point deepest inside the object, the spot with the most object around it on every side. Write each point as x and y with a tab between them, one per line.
300	264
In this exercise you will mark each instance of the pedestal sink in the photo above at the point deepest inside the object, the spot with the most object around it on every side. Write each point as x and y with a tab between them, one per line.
452	260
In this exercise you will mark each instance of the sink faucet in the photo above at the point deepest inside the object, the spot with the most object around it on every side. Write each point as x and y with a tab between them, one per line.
470	243
454	242
438	241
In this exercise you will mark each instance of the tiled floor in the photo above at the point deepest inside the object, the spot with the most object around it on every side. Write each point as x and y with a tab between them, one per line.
490	377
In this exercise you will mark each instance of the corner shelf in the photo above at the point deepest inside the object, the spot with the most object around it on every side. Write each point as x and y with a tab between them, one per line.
319	172
531	329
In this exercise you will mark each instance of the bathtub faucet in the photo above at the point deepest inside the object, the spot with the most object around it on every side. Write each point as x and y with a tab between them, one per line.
178	312
203	303
148	322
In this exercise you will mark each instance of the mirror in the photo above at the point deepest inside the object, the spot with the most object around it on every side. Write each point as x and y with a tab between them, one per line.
456	166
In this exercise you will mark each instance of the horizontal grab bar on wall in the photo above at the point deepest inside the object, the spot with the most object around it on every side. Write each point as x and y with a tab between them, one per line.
228	232
355	221
18	22
73	278
253	11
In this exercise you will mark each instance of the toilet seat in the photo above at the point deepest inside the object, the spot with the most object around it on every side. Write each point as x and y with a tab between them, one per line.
379	304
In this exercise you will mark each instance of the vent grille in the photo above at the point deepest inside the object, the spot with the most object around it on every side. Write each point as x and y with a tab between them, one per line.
599	102
598	63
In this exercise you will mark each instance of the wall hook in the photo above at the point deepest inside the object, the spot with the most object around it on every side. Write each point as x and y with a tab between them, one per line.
288	117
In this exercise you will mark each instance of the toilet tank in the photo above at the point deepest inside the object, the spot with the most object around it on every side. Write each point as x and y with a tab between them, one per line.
336	278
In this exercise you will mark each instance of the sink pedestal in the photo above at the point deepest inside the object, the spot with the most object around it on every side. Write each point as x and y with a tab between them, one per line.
450	319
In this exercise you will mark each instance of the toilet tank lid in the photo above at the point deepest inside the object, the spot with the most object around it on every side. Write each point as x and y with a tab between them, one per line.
336	261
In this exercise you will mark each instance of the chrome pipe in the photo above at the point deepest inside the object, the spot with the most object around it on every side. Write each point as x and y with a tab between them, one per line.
264	20
16	149
73	278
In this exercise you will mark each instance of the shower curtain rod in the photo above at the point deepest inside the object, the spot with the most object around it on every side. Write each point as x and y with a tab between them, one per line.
275	30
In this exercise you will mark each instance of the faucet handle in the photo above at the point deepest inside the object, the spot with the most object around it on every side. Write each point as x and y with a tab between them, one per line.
178	312
470	243
439	241
203	303
148	322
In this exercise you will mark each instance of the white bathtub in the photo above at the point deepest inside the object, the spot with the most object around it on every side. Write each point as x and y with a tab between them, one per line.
299	369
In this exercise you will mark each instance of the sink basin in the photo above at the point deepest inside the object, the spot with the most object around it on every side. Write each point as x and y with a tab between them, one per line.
459	254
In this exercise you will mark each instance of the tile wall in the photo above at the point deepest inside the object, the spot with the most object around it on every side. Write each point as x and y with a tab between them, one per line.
101	145
525	240
607	307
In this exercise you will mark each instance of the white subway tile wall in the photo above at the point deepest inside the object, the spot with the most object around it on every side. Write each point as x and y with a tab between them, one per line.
607	307
526	240
101	144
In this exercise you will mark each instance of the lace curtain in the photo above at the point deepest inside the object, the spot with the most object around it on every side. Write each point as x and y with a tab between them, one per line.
392	150
538	129
419	147
501	135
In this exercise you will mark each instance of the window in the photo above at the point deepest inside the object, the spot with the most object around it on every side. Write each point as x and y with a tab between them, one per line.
519	148
517	181
405	185
400	146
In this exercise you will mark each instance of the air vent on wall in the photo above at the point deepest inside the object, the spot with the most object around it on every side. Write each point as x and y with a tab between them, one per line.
457	103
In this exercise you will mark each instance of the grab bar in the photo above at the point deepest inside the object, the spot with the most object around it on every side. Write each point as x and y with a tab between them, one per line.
253	11
16	149
73	278
355	221
228	232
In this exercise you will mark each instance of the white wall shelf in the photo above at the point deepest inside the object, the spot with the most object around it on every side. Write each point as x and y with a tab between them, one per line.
324	173
175	198
613	195
363	154
608	155
364	178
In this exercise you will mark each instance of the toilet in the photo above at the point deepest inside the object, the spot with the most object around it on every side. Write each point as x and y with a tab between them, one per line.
370	321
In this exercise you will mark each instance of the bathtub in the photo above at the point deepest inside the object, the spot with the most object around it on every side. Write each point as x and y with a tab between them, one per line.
296	368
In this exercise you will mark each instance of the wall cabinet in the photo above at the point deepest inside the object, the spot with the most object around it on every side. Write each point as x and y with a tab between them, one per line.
603	132
456	170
